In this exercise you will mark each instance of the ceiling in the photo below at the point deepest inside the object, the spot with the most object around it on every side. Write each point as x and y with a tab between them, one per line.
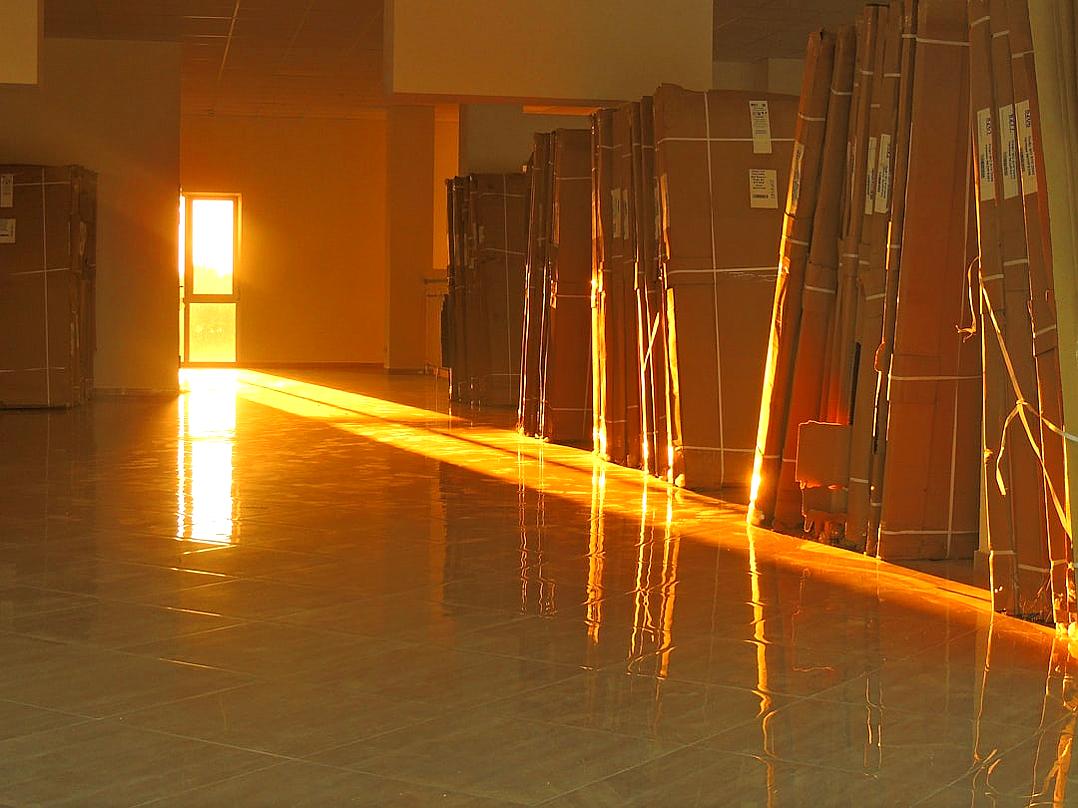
324	57
250	57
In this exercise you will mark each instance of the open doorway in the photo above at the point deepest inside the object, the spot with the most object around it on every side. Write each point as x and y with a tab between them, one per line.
209	253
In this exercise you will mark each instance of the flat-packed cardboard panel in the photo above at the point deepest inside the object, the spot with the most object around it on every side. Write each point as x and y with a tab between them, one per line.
47	254
540	175
723	160
615	347
820	136
566	411
485	304
930	502
651	322
1045	322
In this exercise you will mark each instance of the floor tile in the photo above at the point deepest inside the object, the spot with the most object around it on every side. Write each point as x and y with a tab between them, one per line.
105	763
305	785
498	756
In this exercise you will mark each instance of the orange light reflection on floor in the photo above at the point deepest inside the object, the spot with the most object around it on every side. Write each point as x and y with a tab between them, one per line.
205	438
570	473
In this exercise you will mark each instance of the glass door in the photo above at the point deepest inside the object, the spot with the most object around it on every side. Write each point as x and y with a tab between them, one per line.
211	237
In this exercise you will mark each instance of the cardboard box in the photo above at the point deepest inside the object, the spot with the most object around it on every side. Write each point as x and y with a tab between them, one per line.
566	407
823	455
499	211
615	349
724	161
823	111
47	269
930	500
650	297
536	285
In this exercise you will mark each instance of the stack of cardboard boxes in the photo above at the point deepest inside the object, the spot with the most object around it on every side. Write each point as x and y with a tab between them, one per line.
47	267
485	305
556	391
927	358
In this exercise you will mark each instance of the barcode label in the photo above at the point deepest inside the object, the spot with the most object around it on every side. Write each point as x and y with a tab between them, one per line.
1026	157
870	178
760	115
985	155
883	176
7	190
7	231
763	188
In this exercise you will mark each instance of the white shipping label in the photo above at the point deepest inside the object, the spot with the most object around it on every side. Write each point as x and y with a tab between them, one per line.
870	177
7	190
795	177
615	210
7	231
883	175
763	188
625	213
986	170
760	115
1026	156
1008	151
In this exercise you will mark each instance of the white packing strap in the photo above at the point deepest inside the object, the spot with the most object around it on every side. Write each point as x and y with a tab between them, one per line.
715	292
45	284
1019	412
895	378
957	43
709	139
508	282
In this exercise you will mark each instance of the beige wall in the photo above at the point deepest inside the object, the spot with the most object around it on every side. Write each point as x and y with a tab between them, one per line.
312	271
560	49
20	29
409	233
114	107
770	75
498	138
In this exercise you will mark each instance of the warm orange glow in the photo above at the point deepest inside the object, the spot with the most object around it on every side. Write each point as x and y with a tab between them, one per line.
596	558
182	258
213	332
212	246
207	430
568	473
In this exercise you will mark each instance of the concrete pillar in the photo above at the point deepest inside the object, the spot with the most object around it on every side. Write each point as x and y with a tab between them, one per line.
409	232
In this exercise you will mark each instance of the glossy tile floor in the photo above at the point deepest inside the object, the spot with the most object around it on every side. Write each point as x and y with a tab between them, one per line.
324	590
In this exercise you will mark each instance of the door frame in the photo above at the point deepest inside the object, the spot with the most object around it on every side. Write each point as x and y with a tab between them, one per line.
189	296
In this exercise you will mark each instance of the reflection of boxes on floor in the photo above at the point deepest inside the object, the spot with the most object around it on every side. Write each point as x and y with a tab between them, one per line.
47	263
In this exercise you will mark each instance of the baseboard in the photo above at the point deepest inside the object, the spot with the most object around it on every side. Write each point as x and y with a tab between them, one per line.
135	392
296	366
